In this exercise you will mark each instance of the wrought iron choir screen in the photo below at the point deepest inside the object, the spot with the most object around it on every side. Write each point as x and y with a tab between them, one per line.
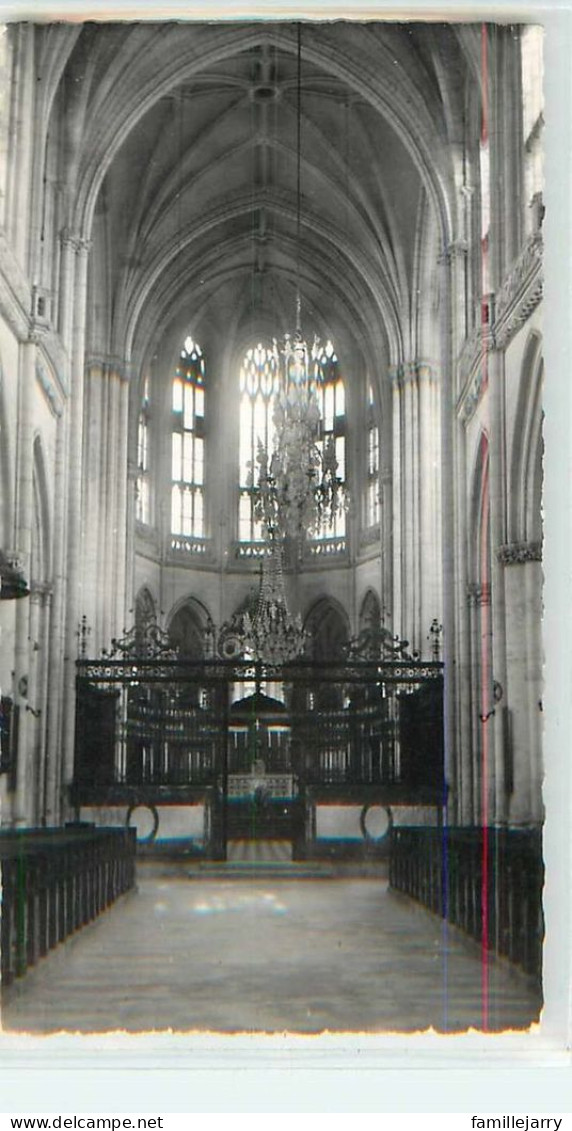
152	725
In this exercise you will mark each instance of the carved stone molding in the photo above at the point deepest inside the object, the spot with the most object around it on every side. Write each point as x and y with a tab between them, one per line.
478	594
74	240
15	292
107	366
472	369
521	291
48	388
56	357
516	553
513	304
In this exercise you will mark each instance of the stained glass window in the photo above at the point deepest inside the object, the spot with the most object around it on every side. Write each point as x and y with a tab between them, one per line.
143	501
188	443
372	479
258	386
332	401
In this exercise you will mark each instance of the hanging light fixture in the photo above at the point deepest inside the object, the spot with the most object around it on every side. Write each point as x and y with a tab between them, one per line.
296	489
272	634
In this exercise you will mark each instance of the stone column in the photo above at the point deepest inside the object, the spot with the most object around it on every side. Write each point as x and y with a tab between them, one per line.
40	598
105	518
452	285
74	528
386	538
498	513
55	664
415	502
520	562
478	746
24	520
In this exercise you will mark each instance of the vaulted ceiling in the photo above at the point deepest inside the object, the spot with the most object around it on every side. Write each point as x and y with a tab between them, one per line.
181	165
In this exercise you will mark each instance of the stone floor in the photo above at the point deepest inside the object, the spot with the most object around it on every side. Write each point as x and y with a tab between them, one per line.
264	954
271	851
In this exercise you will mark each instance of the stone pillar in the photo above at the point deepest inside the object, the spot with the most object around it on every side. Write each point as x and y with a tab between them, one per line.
122	516
386	539
415	502
452	485
40	599
24	520
396	497
105	519
523	584
477	754
498	515
74	528
22	137
55	673
466	706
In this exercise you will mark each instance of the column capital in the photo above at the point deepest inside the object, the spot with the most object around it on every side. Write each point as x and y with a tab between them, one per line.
516	553
454	251
74	240
110	365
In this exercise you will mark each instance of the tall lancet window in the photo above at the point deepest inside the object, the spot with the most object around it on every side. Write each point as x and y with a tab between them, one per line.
143	493
187	492
372	479
258	387
332	401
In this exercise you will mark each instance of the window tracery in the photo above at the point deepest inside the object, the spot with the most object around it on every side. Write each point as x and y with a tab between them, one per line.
372	480
332	402
143	489
187	439
259	385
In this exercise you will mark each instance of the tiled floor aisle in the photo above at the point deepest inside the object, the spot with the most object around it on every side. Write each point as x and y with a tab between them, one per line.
262	954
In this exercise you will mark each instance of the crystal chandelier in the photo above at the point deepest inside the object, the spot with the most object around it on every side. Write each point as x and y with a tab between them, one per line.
271	634
295	487
296	490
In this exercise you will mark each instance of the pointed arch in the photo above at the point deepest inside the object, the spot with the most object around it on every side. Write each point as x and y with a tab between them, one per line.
145	607
187	627
479	529
370	611
328	627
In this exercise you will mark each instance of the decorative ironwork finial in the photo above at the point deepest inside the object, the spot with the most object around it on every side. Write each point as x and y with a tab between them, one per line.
434	637
83	632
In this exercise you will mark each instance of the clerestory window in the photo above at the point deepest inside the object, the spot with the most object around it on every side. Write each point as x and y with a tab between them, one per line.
332	401
258	387
188	443
372	480
143	492
259	383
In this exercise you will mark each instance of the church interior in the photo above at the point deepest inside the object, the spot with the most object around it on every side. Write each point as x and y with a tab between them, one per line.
271	369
